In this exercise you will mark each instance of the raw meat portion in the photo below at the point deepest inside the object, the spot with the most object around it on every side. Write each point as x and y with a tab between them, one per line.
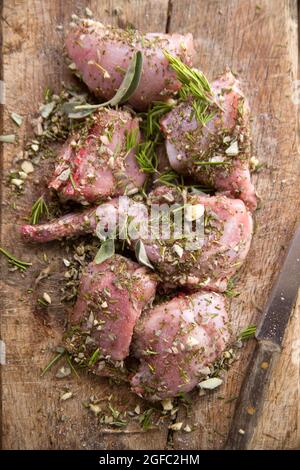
70	225
176	342
215	153
103	53
110	300
98	161
228	228
218	255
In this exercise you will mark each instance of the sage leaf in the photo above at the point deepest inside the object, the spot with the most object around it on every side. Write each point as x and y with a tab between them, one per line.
128	86
65	175
71	109
141	254
47	109
106	251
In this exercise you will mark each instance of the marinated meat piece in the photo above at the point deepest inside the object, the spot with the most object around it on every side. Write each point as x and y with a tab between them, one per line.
99	160
208	263
103	53
110	300
216	152
176	342
228	228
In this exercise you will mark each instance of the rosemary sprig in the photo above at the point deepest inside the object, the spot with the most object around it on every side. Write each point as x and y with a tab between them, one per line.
145	419
38	209
23	265
202	112
147	158
196	85
151	124
247	333
131	139
168	178
194	82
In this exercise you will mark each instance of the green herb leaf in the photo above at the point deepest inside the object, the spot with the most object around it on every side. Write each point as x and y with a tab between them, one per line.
73	111
131	138
141	254
8	139
153	116
194	81
130	82
247	333
128	86
16	118
145	419
47	109
52	362
94	357
23	265
106	251
147	158
38	209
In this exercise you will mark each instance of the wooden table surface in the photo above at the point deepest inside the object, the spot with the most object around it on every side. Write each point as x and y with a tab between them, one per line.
259	40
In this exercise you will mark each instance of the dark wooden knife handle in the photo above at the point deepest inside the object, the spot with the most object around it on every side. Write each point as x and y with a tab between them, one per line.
251	398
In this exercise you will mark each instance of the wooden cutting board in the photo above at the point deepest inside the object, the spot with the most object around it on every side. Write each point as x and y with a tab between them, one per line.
257	39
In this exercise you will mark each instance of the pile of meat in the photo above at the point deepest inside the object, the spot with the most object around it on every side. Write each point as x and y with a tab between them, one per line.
174	342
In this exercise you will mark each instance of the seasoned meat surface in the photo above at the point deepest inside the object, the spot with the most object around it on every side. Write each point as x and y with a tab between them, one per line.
110	300
215	153
103	53
176	342
99	160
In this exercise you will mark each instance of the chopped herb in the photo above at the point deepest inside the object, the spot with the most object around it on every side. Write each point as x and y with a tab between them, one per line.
141	254
211	383
53	361
72	181
16	118
202	113
94	357
247	333
230	291
23	265
38	209
155	113
147	158
131	139
168	178
47	109
42	302
69	361
106	251
8	139
145	419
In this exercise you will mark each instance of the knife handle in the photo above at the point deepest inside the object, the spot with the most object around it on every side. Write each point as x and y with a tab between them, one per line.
250	402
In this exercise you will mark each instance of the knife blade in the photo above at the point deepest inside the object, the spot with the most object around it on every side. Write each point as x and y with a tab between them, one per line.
269	336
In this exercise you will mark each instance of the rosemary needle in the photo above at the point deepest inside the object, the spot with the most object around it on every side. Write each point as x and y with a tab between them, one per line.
52	362
247	333
23	265
38	209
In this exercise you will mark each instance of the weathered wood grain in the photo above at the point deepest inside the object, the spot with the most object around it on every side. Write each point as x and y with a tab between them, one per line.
258	39
33	416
